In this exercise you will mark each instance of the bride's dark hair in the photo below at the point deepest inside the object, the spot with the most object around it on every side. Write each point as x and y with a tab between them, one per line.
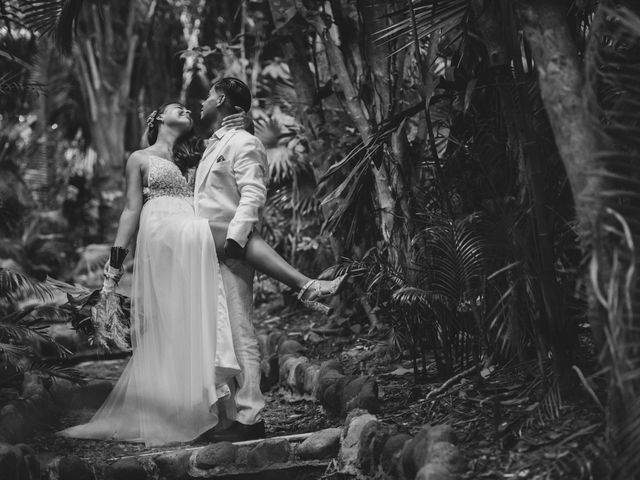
188	148
188	151
154	122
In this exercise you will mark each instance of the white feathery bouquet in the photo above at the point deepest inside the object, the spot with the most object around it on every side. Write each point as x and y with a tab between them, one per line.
104	314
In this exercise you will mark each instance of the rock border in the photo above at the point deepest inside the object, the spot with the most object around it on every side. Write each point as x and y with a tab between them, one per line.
42	400
363	448
370	448
284	364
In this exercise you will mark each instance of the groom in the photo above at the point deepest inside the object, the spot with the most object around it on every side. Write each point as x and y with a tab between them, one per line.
230	191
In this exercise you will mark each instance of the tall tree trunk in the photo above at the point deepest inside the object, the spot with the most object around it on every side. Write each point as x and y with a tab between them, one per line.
190	18
106	84
561	79
604	187
42	164
360	115
288	11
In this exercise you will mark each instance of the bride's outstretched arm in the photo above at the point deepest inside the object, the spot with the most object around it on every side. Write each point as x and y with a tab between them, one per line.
130	216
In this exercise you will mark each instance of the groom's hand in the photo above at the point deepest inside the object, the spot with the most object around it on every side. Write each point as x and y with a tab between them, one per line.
233	250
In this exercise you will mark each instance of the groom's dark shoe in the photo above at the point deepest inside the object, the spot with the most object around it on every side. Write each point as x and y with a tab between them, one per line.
238	432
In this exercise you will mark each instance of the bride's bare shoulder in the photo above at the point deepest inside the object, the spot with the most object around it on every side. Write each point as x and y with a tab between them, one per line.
138	156
137	162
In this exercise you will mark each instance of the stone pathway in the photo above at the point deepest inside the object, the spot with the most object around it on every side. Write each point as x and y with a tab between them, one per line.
283	414
392	444
308	400
364	447
360	446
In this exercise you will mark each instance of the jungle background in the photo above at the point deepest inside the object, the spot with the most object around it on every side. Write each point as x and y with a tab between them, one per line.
471	163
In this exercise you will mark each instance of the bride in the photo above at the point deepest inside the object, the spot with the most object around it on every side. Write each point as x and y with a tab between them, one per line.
183	353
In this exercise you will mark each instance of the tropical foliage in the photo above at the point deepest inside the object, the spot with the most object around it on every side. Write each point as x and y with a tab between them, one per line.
470	162
27	307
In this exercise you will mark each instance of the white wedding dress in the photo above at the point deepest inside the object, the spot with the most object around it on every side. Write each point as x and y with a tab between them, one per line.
182	347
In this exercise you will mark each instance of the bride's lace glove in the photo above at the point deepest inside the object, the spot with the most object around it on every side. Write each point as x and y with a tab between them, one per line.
239	120
113	269
111	278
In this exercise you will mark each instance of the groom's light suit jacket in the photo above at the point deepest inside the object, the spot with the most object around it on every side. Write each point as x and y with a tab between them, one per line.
230	186
230	191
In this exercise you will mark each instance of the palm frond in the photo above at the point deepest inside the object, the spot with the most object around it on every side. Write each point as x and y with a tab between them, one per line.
452	255
613	94
351	197
41	15
56	370
286	167
14	58
15	286
430	16
45	17
367	151
27	333
276	85
14	355
292	181
13	83
413	297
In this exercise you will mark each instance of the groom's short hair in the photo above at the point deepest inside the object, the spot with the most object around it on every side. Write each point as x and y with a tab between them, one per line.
236	91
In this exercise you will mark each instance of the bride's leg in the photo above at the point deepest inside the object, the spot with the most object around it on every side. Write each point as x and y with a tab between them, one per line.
262	257
265	259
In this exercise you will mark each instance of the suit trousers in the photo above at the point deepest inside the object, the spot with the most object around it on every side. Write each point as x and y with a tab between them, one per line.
237	277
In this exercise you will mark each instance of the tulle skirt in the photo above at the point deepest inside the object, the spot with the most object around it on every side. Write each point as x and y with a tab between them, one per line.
183	353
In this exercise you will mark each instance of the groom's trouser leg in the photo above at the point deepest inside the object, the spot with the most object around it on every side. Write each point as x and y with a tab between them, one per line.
237	277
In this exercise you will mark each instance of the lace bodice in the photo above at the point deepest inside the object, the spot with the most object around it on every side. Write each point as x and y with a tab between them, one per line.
165	180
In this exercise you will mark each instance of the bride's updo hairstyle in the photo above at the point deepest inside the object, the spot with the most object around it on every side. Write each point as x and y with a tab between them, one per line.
154	122
188	148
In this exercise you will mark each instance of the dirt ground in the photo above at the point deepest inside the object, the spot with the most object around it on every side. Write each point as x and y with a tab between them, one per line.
504	430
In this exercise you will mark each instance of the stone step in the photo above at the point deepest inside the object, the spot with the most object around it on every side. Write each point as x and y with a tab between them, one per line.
290	456
363	448
295	468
